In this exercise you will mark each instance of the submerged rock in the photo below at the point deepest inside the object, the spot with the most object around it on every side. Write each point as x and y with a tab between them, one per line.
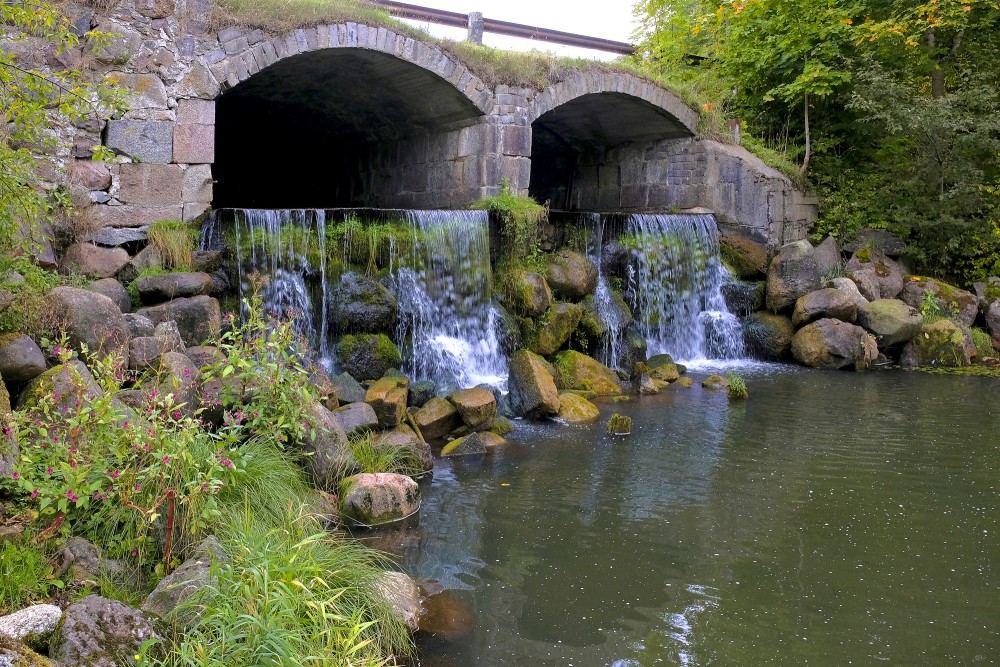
575	409
371	499
833	344
532	387
791	274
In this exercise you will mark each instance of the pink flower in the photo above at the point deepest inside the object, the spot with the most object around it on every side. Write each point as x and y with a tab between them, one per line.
48	471
166	459
115	474
16	475
34	494
138	486
72	464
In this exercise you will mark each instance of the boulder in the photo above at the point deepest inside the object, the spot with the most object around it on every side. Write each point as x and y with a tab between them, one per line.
571	274
16	654
847	285
144	352
372	499
827	256
744	298
388	397
420	393
867	283
826	302
891	321
950	300
578	371
527	293
554	328
87	259
20	358
193	575
993	320
417	449
575	409
139	325
166	286
361	304
491	440
71	381
715	382
437	418
662	369
115	291
648	386
199	318
328	454
879	239
746	258
791	274
147	258
832	344
888	274
180	377
98	632
368	356
768	336
465	446
203	355
355	417
477	407
532	387
89	318
402	594
32	626
940	343
348	389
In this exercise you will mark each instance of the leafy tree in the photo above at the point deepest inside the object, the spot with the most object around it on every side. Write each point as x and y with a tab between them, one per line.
33	103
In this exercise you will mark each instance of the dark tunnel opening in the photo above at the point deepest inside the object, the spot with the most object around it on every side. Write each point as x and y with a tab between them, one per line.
331	128
570	144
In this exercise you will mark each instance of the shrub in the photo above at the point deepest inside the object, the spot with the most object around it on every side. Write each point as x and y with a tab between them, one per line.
737	385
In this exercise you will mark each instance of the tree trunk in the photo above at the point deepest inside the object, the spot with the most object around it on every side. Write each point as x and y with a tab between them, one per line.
937	74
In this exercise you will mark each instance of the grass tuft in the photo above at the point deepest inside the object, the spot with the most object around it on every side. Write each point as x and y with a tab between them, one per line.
737	385
175	241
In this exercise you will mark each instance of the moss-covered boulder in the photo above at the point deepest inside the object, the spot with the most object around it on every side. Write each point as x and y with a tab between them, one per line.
98	632
578	371
888	274
372	499
368	356
532	386
768	336
572	275
599	319
746	258
526	292
437	418
575	409
465	446
891	321
662	369
715	382
825	302
17	654
832	344
20	358
941	343
361	304
476	406
388	397
552	331
71	382
949	299
89	318
791	274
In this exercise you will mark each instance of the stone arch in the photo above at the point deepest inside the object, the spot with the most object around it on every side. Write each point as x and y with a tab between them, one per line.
375	118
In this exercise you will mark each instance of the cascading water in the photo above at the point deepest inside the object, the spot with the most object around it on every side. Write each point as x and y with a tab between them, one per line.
674	284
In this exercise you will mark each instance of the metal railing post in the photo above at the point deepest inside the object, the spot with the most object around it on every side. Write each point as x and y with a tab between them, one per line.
476	26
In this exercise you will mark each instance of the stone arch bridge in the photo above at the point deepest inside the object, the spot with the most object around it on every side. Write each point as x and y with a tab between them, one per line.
360	115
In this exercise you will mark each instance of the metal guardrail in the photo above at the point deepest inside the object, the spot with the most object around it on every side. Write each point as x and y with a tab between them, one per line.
476	24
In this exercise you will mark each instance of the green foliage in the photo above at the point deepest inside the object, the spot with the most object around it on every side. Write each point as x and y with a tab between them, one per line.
33	103
26	575
984	343
28	313
375	458
175	242
519	219
737	385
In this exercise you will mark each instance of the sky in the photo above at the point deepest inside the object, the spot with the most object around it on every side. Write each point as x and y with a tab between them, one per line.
609	19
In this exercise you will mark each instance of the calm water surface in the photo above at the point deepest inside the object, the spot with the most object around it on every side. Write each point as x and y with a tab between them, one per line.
832	519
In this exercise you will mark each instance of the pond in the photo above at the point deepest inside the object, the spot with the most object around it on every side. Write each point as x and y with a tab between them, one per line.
833	518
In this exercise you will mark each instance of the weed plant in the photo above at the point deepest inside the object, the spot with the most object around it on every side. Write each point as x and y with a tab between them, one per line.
737	385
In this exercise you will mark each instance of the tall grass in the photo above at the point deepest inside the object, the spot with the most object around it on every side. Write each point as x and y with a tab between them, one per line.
174	240
26	575
373	457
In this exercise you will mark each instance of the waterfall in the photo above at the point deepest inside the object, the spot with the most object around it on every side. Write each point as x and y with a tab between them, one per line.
674	281
613	318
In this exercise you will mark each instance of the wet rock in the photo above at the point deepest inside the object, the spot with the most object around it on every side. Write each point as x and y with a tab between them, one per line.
575	409
832	344
662	369
578	371
32	626
648	386
361	304
715	382
367	356
437	418
87	259
356	417
826	302
950	300
139	325
827	256
444	615
941	343
328	454
166	286
402	594
371	499
745	257
554	328
477	407
532	387
199	318
888	274
420	393
877	239
891	321
527	293
768	336
791	274
99	633
744	298
115	291
388	397
571	274
89	318
993	320
465	446
20	358
867	284
348	389
491	440
192	576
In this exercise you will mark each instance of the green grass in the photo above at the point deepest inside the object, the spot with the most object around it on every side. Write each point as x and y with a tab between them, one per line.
373	458
26	575
175	241
984	343
737	385
28	313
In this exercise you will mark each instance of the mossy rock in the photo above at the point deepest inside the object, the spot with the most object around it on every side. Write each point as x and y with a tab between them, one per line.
950	299
575	409
373	499
555	328
525	292
684	382
368	356
768	336
502	426
571	274
942	343
466	446
578	371
17	654
715	382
